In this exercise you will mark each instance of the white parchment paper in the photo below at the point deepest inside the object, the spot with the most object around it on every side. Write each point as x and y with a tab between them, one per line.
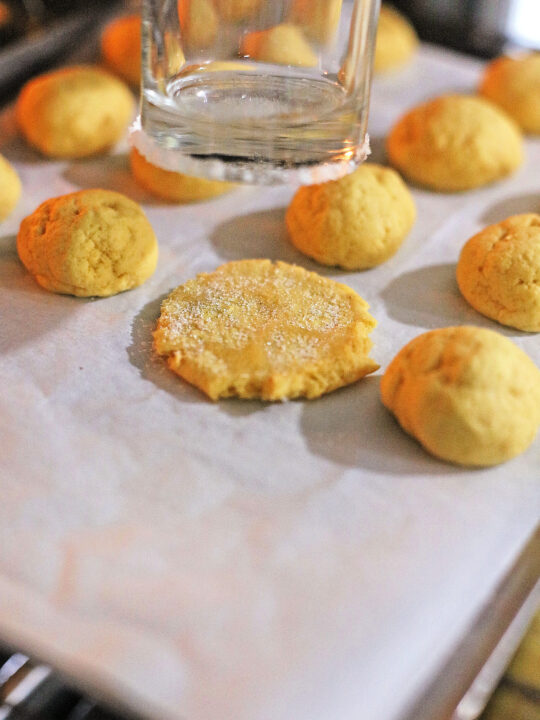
241	560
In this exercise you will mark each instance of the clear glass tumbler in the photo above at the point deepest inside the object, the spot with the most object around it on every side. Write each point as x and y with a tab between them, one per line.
257	91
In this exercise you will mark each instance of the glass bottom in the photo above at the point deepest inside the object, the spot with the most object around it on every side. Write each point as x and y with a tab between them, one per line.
253	127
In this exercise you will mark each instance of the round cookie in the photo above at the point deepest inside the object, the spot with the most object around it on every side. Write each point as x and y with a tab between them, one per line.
355	222
468	395
121	47
74	112
173	186
396	40
257	329
514	85
498	272
88	243
455	142
10	188
283	44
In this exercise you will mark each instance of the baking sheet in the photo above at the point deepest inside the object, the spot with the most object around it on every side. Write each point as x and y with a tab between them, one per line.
243	560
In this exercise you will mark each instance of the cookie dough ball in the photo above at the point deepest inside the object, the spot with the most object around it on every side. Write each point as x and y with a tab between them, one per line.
356	222
199	23
74	112
10	188
396	40
257	329
282	44
319	19
455	142
173	186
91	242
467	394
514	85
498	272
121	47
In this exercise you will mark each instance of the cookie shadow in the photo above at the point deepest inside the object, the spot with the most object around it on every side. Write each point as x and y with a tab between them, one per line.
427	297
12	144
151	366
351	427
430	298
33	311
262	234
108	172
528	203
17	151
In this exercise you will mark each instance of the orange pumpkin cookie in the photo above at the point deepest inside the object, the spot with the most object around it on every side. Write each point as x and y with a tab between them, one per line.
91	242
455	142
10	188
498	272
173	186
467	394
257	329
356	222
514	85
121	47
74	112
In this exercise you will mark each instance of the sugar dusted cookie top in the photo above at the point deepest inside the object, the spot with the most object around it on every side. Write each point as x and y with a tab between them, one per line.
356	222
74	112
10	188
455	142
91	242
514	85
257	329
467	394
498	272
396	40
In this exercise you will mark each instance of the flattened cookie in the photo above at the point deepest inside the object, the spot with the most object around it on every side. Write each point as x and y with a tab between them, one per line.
356	222
91	242
282	44
257	329
498	272
173	186
10	188
396	40
467	394
74	112
455	142
514	85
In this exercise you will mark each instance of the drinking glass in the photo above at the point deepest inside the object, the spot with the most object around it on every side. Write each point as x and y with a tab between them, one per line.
257	91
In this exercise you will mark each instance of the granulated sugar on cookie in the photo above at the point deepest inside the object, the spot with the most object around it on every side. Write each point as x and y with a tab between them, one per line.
257	329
